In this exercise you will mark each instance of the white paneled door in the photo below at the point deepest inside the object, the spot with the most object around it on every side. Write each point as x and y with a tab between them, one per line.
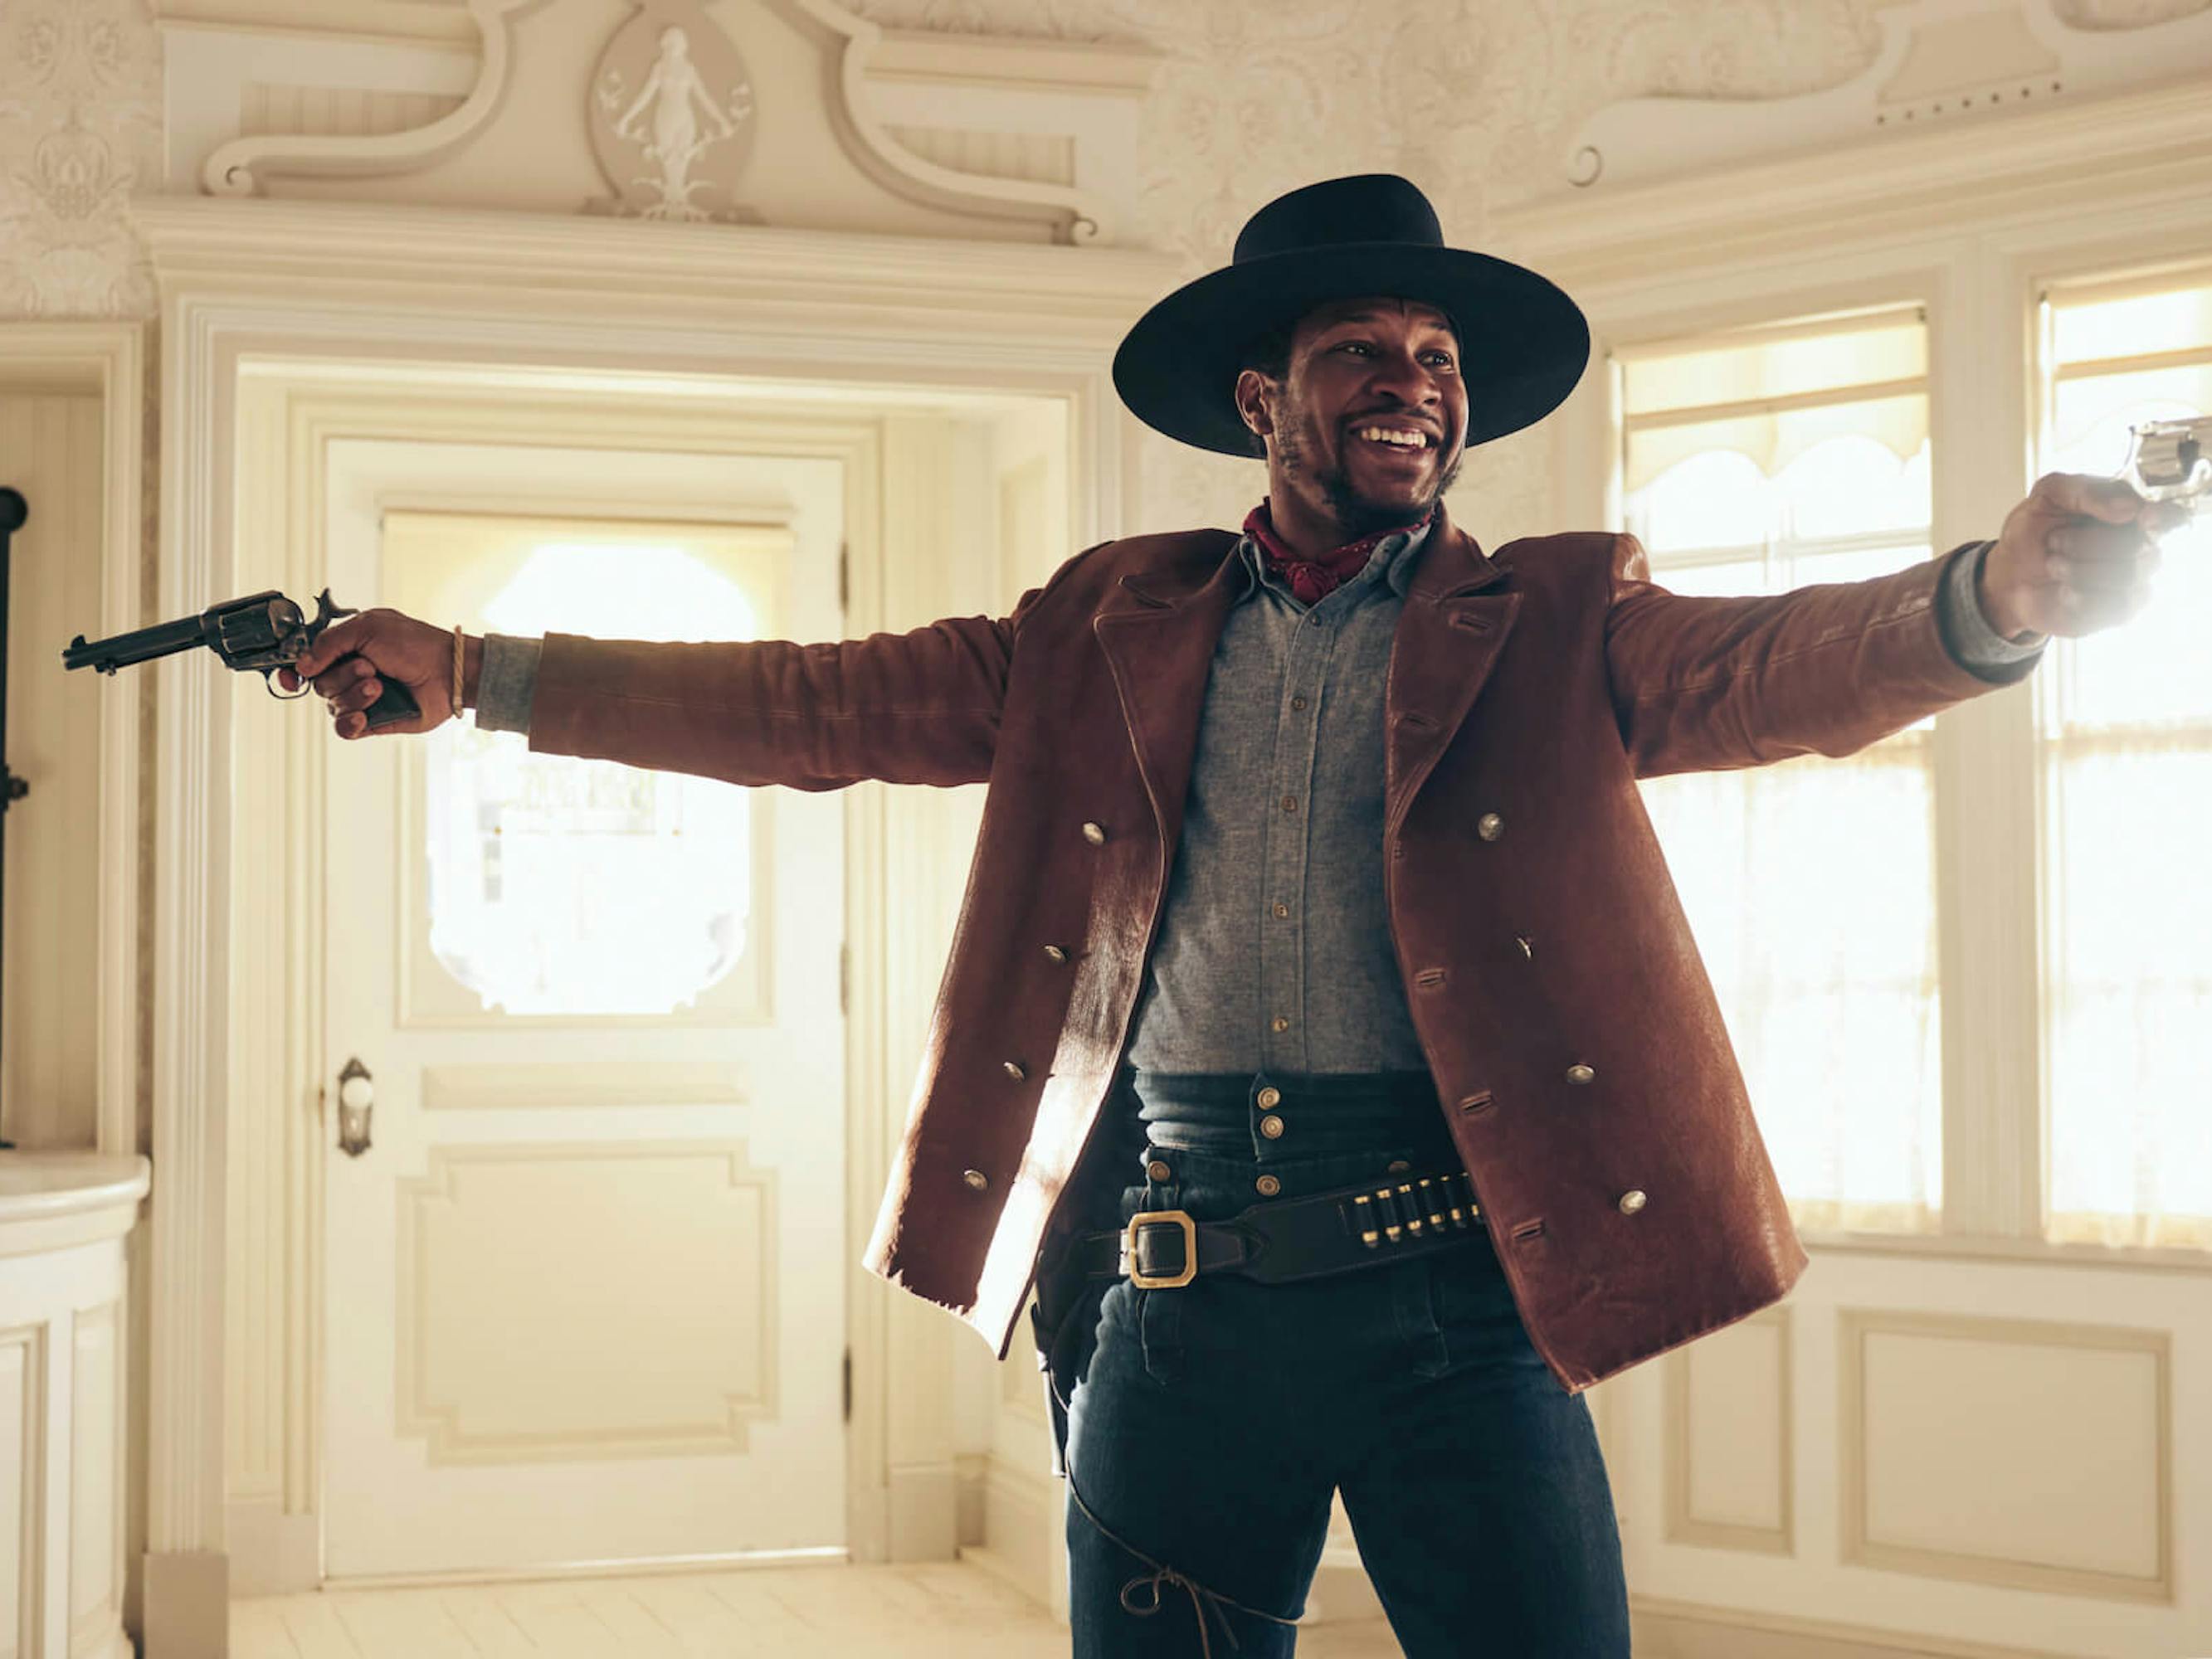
585	1283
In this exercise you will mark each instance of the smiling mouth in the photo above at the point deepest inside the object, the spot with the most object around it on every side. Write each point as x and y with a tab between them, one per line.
1405	440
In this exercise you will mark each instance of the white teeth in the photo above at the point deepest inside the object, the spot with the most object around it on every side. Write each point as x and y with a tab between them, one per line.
1393	435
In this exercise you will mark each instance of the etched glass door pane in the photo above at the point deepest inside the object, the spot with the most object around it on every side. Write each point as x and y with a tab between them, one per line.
566	886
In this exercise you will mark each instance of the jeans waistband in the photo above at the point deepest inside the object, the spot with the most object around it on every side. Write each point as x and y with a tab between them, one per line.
1289	1115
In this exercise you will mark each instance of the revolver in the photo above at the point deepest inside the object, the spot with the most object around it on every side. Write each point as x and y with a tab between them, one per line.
262	631
2172	461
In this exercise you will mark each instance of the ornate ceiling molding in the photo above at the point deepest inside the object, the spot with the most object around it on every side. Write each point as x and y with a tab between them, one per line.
1065	121
1944	64
237	168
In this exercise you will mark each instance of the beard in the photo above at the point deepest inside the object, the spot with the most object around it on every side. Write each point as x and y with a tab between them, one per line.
1359	515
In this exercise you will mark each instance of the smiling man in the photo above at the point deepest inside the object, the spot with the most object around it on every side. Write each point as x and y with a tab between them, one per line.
1324	1040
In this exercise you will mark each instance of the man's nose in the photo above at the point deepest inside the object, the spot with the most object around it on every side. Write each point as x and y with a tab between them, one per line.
1405	377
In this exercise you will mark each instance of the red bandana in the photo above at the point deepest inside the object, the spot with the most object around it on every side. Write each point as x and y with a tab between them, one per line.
1313	579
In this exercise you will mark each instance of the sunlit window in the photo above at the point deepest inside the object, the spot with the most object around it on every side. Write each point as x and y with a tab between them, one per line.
1755	463
565	886
2124	738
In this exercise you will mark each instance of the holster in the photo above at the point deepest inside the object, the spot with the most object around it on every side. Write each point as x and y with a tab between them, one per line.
1063	1340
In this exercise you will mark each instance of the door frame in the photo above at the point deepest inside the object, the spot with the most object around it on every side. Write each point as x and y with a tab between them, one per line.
248	285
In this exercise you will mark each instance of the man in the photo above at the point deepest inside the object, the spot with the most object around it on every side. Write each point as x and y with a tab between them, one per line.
1323	1036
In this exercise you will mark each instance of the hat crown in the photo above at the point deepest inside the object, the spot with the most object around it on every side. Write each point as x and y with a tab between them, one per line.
1368	207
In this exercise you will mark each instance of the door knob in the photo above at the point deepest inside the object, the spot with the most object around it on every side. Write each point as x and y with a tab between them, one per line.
356	1100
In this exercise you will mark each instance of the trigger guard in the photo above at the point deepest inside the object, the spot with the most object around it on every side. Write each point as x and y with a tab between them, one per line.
269	680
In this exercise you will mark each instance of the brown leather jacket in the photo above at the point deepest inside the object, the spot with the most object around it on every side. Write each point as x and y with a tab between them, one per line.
1590	1085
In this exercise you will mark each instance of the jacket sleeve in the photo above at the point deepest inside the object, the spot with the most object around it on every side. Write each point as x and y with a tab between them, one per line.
914	707
1706	684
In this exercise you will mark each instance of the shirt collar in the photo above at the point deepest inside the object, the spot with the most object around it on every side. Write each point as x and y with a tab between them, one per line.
1395	556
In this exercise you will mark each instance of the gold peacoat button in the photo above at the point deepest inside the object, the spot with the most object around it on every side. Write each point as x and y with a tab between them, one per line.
1055	953
1095	833
1267	1186
1490	826
1580	1073
1016	1070
1269	1098
1397	1166
1632	1201
975	1179
1157	1170
1271	1126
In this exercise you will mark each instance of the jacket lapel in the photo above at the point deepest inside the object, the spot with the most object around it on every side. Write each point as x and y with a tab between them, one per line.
1449	637
1158	634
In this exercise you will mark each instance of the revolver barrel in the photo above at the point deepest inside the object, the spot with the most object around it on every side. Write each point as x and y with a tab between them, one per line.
141	645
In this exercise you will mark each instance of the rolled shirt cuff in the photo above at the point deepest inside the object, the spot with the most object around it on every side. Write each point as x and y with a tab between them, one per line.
1968	635
506	683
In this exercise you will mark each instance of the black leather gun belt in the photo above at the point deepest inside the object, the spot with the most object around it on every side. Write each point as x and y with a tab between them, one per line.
1331	1232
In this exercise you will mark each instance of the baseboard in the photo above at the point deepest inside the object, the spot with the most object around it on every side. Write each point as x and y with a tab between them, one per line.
1684	1630
272	1553
923	1505
187	1605
969	1472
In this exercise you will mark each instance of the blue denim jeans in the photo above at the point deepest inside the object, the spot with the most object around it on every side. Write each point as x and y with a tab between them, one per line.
1211	1424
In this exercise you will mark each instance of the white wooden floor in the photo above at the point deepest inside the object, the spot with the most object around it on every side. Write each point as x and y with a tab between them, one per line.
933	1611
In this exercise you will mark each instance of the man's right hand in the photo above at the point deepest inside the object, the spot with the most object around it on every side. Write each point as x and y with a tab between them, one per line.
350	662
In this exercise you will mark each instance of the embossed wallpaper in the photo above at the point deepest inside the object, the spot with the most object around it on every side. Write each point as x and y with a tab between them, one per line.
1474	100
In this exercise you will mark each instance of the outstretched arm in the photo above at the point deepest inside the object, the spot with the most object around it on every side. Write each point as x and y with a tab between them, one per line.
1704	684
914	707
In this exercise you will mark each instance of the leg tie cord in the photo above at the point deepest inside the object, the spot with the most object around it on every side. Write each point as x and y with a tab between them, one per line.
1163	1577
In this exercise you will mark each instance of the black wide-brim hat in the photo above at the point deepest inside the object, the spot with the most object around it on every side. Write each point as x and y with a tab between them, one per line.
1522	343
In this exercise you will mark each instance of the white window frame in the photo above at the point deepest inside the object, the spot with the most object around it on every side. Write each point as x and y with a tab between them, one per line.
1972	224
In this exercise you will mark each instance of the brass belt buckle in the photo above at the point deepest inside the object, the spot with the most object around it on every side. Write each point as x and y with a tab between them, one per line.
1143	1282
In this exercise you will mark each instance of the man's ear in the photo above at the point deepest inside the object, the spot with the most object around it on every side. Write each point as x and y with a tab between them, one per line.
1255	402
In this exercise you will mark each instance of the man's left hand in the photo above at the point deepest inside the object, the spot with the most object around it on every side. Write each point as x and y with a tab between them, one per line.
2074	558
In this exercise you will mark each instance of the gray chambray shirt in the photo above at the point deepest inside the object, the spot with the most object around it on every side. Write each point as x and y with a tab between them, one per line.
1275	952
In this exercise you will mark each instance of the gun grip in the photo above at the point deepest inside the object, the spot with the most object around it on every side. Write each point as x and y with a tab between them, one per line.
396	703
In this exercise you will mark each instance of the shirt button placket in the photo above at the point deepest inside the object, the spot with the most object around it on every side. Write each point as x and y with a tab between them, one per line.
1282	986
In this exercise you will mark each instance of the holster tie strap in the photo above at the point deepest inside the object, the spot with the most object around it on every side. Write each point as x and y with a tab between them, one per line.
1202	1600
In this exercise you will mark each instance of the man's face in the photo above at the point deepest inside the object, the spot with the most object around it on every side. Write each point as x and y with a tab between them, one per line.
1368	426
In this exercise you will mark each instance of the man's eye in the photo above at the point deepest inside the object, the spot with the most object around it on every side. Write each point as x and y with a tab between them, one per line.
1442	359
1355	346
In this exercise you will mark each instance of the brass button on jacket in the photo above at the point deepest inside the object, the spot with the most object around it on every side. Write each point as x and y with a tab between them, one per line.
1095	833
1581	1074
1269	1098
1158	1170
1016	1070
1055	953
976	1178
1632	1201
1267	1186
1271	1126
1490	826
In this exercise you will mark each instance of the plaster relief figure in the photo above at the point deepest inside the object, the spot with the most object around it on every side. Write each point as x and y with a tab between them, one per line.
690	120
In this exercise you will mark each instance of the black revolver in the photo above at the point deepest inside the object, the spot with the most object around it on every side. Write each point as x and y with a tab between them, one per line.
263	631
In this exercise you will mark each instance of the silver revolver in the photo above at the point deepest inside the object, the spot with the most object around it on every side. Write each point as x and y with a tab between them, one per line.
2172	461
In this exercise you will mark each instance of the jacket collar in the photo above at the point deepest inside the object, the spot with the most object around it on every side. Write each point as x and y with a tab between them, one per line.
1186	569
1159	629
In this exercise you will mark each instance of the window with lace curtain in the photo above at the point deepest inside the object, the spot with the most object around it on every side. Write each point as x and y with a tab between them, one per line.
2124	738
1756	462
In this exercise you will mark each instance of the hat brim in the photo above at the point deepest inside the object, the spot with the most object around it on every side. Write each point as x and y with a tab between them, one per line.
1523	342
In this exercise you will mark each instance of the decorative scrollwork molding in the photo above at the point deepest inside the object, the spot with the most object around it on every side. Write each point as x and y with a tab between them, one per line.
237	168
670	81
